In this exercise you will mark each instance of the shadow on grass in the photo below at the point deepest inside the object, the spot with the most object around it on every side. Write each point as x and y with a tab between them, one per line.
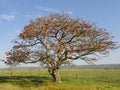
25	80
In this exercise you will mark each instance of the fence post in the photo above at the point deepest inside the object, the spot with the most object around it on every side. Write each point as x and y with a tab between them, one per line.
11	72
21	72
76	76
39	72
10	68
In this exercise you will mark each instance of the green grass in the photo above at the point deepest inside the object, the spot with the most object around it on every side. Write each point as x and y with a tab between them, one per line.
75	79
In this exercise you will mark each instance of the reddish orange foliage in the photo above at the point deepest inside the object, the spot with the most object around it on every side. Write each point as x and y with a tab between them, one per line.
61	34
51	32
87	26
52	45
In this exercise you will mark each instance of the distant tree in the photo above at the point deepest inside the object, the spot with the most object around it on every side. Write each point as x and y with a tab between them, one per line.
58	39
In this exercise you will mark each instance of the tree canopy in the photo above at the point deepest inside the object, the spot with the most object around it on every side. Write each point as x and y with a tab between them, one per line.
59	39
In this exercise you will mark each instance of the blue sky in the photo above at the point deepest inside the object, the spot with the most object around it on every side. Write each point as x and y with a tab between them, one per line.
15	14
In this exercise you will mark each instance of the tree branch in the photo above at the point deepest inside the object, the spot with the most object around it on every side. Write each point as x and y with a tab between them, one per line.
21	46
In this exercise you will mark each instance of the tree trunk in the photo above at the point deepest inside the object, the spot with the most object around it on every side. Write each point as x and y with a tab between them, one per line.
55	74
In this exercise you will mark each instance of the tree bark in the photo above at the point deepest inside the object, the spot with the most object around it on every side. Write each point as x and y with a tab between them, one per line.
55	74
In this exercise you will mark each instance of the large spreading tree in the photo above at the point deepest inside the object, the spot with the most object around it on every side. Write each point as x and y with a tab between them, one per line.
58	39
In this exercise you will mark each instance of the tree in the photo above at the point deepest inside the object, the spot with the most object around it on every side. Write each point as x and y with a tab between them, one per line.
58	39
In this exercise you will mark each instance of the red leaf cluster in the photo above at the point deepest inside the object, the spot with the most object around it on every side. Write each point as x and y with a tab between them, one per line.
16	55
87	26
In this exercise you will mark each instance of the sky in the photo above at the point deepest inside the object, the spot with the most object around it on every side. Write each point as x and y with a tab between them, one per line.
15	14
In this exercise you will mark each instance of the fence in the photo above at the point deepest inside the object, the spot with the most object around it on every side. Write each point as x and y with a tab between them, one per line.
65	74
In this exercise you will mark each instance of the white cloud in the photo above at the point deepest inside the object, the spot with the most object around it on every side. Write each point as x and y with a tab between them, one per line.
7	17
49	9
54	10
28	16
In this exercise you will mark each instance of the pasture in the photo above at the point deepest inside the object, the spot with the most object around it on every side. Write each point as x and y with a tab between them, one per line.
74	79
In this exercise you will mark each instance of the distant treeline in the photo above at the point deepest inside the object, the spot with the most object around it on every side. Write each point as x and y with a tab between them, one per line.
102	66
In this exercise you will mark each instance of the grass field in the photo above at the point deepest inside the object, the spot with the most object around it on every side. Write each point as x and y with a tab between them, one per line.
75	79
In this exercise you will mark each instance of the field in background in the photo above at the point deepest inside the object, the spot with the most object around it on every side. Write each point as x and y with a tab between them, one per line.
74	79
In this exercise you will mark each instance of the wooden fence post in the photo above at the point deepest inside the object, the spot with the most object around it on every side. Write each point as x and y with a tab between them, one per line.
11	72
76	76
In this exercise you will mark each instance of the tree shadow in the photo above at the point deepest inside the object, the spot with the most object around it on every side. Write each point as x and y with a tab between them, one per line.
25	80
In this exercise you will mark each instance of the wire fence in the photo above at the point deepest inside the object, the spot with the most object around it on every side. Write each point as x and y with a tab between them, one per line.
64	74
